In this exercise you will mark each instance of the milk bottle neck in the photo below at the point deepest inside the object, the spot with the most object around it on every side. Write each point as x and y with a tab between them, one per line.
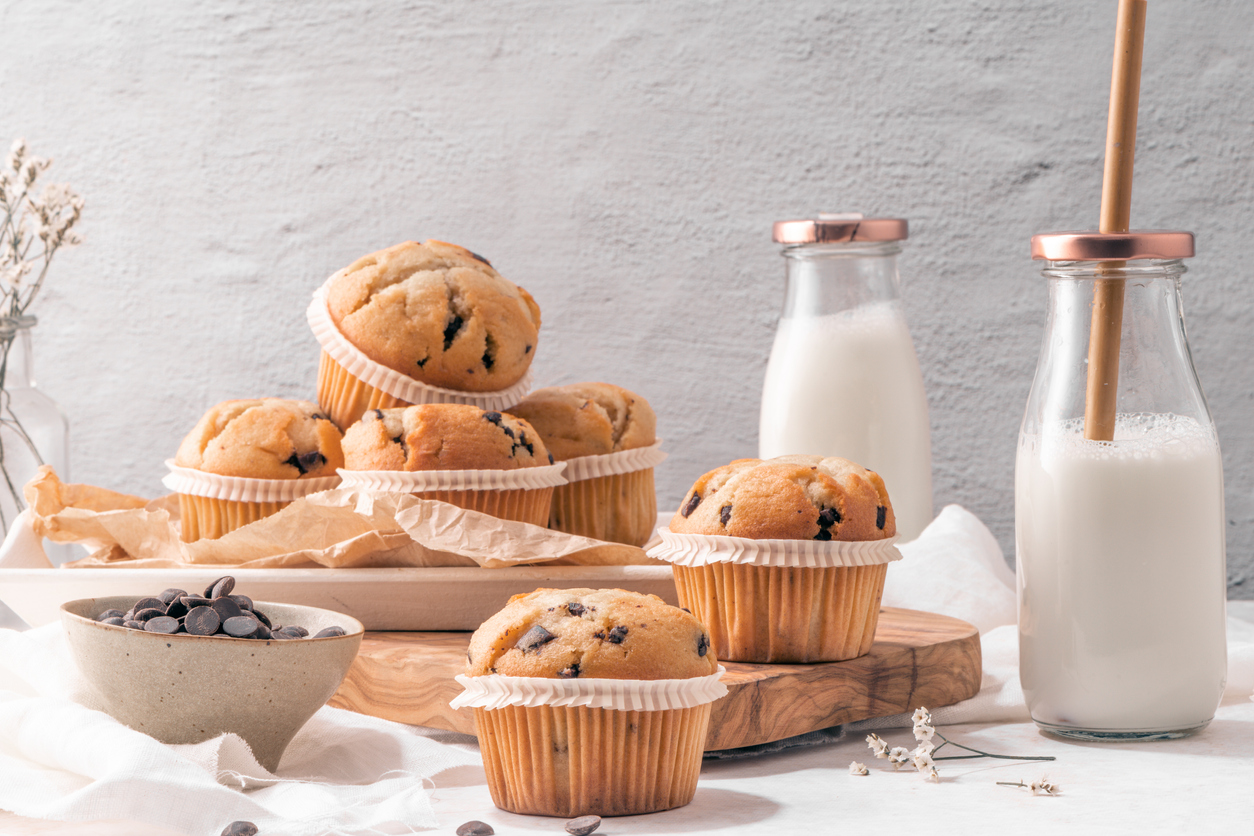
829	278
1156	372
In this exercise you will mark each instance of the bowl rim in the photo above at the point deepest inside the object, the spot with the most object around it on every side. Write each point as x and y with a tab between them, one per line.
359	629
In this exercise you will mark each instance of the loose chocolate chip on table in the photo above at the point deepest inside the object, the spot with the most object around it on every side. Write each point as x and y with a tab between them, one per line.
240	626
329	632
691	505
226	608
475	828
221	588
583	825
703	645
116	621
534	639
162	624
724	514
110	614
881	515
171	594
149	604
576	608
202	621
240	828
245	603
617	635
151	612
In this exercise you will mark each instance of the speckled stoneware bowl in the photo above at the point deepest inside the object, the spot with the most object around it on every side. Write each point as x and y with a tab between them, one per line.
185	689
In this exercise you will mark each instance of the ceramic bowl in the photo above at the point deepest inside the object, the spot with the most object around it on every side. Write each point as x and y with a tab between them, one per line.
185	689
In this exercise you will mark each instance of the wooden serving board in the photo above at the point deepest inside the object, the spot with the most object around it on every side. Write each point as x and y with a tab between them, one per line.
918	659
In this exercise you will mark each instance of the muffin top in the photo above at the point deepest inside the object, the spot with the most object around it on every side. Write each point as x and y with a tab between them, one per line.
591	633
442	436
589	419
267	438
788	498
437	313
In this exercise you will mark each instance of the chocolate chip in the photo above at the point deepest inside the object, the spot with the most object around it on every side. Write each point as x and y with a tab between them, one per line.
526	349
823	534
828	517
478	257
487	359
240	626
475	828
617	635
421	363
583	825
262	631
330	632
691	504
534	639
294	631
202	621
570	673
450	331
133	625
162	624
222	586
244	602
149	604
494	418
151	612
576	608
170	595
724	514
115	620
193	601
312	461
378	414
226	608
550	458
703	645
240	828
881	516
110	614
279	635
264	619
177	609
685	609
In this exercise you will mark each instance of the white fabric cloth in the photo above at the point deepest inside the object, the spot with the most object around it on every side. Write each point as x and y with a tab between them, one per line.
61	759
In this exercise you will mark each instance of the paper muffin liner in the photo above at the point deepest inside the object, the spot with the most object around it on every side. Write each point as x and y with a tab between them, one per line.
349	382
187	480
559	754
523	495
701	549
618	508
205	518
613	464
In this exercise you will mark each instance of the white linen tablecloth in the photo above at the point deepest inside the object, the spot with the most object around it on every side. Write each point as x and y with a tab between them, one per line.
346	774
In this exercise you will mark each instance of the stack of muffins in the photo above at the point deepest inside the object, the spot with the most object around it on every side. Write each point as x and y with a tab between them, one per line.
423	349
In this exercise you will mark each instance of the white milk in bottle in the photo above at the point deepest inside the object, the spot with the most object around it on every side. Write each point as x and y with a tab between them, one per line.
843	378
1119	539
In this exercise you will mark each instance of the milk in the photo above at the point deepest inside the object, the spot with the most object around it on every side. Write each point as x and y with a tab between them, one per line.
1121	575
848	384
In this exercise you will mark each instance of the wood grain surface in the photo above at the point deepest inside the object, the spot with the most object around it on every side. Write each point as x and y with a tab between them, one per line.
917	659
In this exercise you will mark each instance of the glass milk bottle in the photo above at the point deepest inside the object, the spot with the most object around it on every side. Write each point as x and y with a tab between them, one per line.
1120	543
843	378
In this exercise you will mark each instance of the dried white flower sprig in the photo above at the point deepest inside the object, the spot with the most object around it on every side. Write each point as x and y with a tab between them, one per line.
1041	787
923	755
29	214
856	768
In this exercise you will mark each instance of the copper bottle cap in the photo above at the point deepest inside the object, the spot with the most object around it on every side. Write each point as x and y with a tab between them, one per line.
1112	246
840	229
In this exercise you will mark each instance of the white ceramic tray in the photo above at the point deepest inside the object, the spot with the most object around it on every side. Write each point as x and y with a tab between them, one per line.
446	598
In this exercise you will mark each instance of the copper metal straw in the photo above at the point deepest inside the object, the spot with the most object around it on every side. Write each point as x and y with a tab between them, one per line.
1105	330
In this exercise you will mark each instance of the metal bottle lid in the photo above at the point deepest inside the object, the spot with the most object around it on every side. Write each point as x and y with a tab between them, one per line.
831	228
1112	246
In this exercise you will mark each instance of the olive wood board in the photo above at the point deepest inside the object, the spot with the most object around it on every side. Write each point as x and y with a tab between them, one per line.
917	659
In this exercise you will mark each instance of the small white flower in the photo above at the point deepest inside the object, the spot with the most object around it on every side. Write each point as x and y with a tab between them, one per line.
932	775
922	761
877	745
856	768
898	757
925	747
1044	786
923	732
922	717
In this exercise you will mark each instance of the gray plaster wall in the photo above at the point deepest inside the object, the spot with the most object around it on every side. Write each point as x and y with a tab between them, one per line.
624	162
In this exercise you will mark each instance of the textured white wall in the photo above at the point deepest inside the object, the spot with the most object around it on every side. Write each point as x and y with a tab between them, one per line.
623	162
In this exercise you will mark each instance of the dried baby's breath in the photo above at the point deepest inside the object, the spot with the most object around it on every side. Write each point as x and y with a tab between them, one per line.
1041	787
877	745
856	768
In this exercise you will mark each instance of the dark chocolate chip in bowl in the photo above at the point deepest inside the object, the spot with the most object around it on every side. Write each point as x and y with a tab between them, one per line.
177	609
617	635
149	604
162	624
240	828
221	587
330	632
279	635
193	601
583	825
262	631
133	625
116	621
703	645
534	639
724	514
110	614
295	631
171	594
263	618
881	516
245	603
202	621
240	626
151	612
691	505
226	608
475	828
576	608
570	673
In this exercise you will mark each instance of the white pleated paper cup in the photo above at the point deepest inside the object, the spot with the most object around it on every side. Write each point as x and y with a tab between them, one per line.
559	747
781	601
609	497
350	383
211	505
523	495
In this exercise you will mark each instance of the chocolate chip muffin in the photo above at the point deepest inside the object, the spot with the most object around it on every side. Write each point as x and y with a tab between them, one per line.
791	498
473	458
611	498
437	313
784	559
569	685
247	459
594	633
